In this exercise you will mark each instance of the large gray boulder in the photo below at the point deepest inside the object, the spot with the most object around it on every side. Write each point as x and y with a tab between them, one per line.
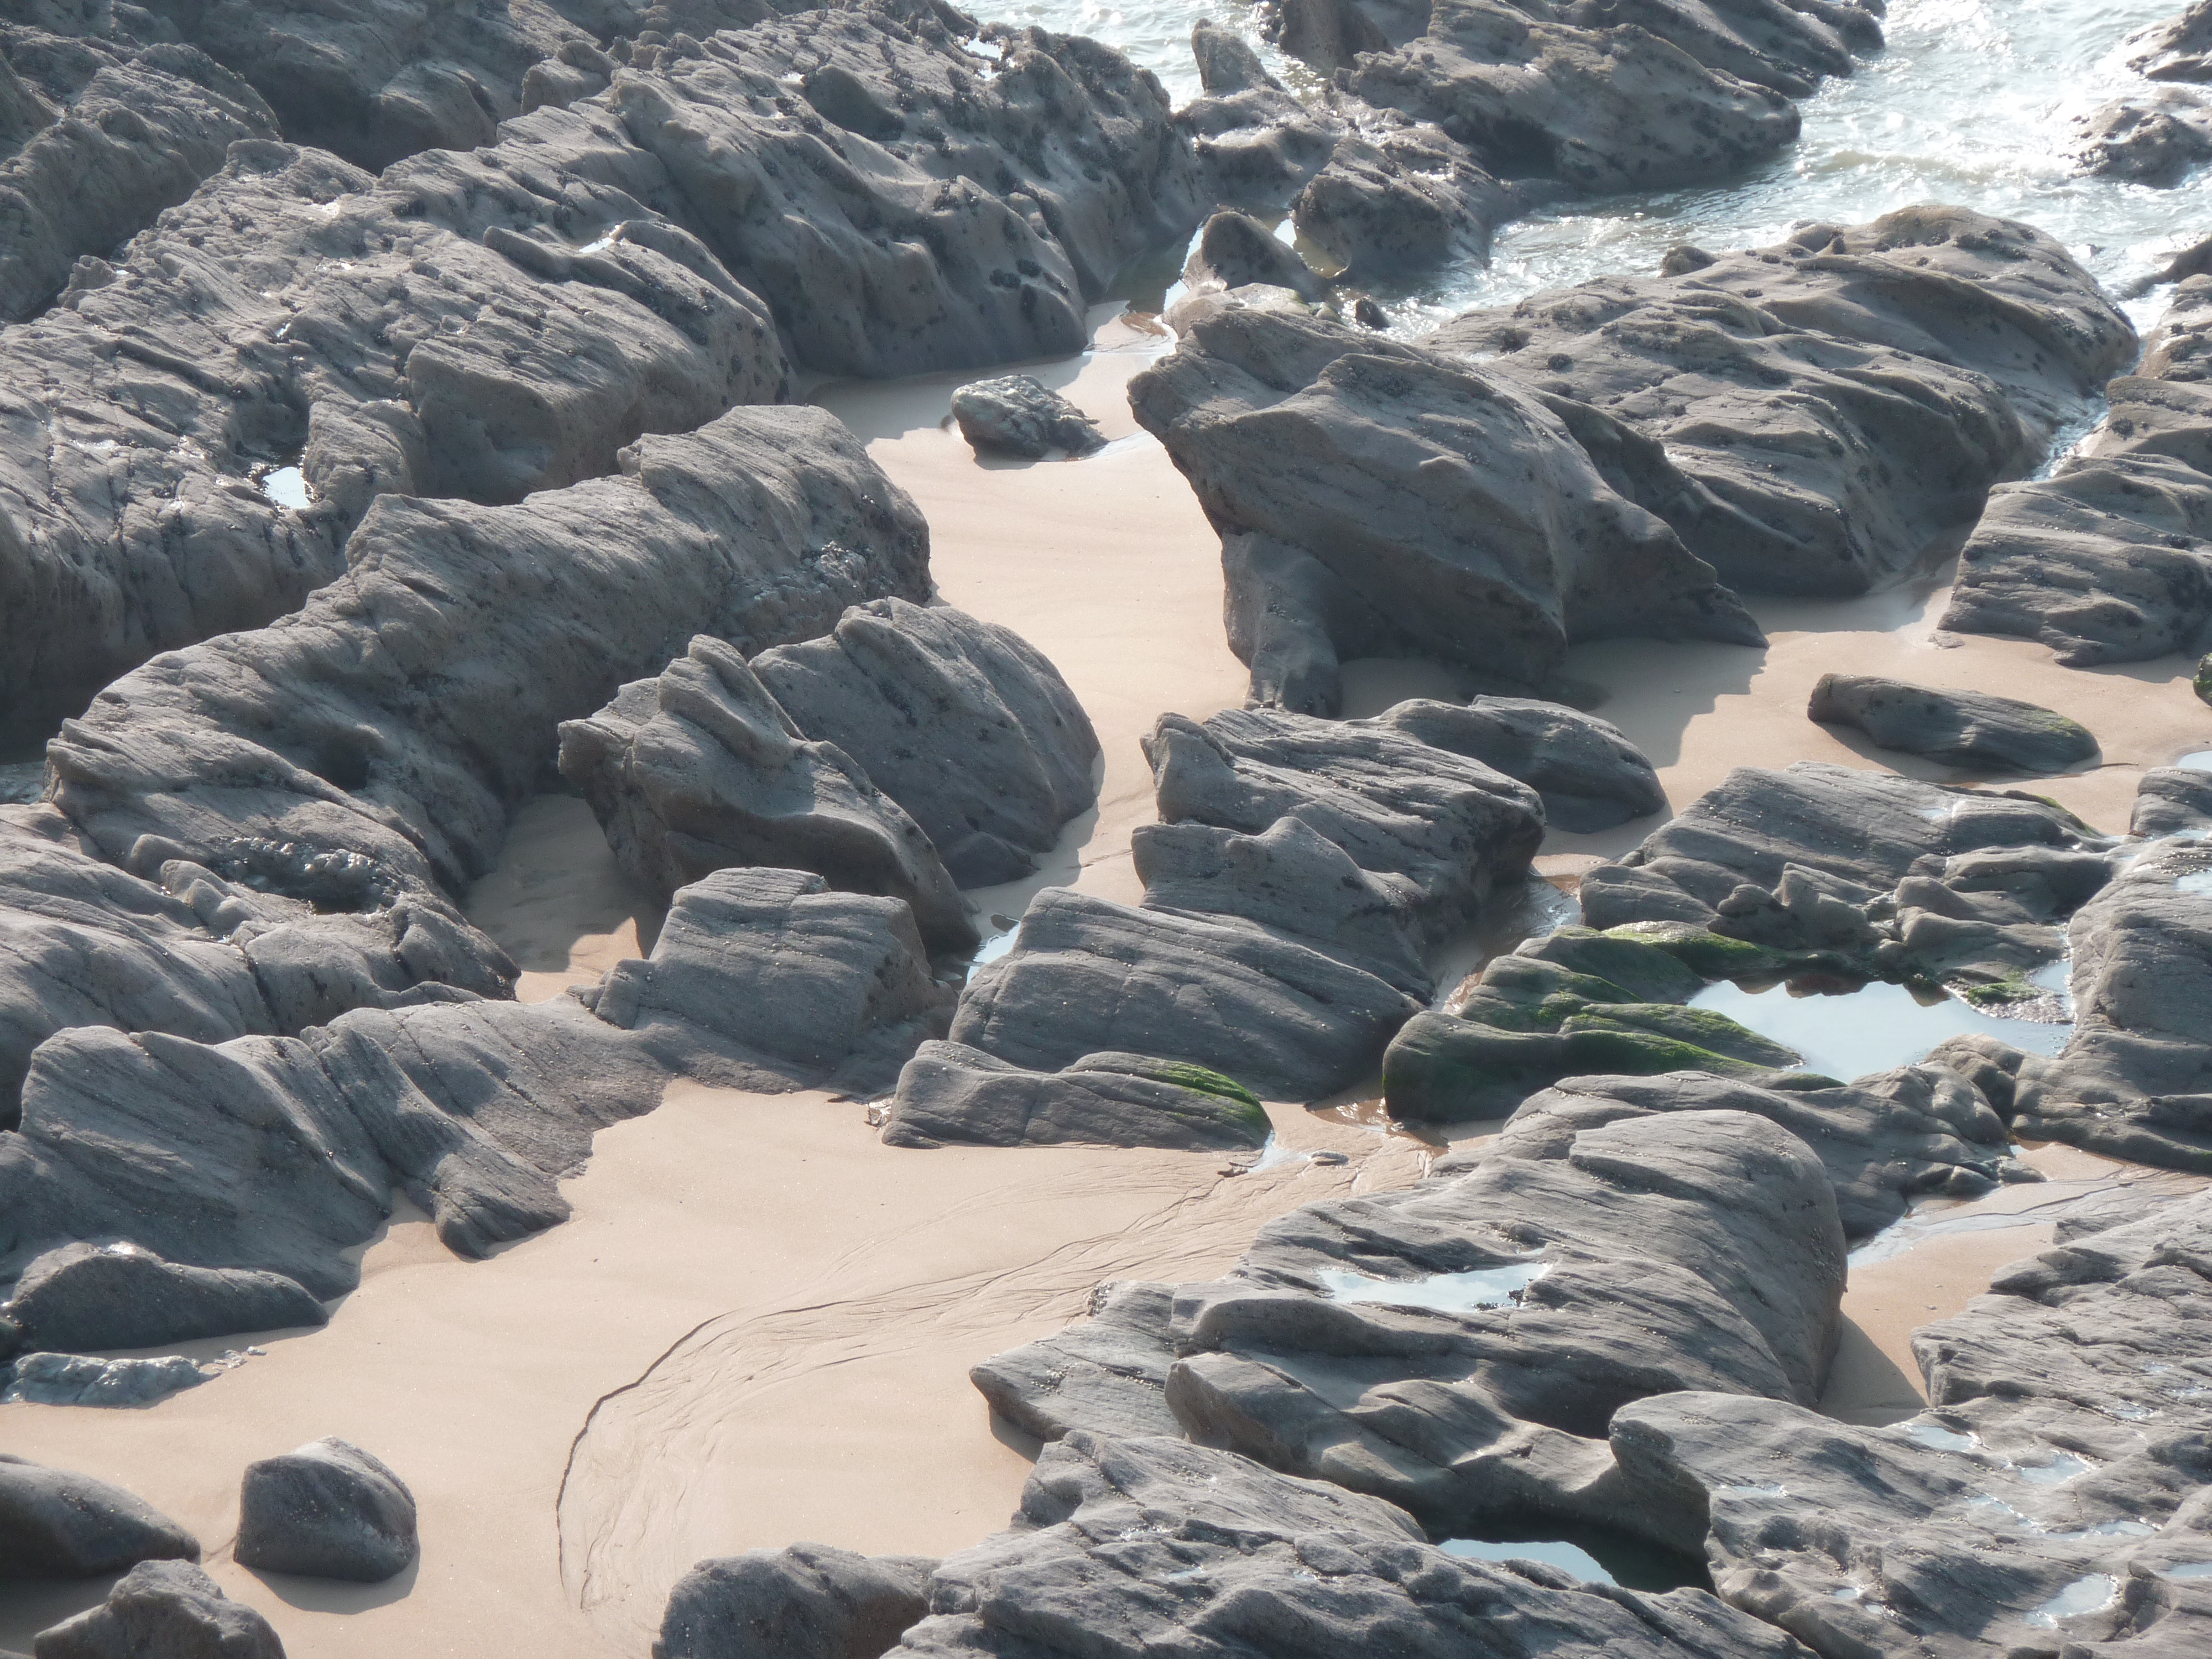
1266	1008
803	1602
1183	1550
57	1524
1589	774
1452	827
162	1610
1015	415
84	1296
768	980
700	770
1971	729
962	722
326	1510
1343	472
949	1092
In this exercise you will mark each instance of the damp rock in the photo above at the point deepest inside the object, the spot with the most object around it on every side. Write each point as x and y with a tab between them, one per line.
2171	800
1107	1374
951	1093
68	1379
1236	250
1342	469
1961	728
804	1602
55	1523
326	1510
1015	415
83	1296
162	1608
1589	774
701	770
769	979
962	722
2157	136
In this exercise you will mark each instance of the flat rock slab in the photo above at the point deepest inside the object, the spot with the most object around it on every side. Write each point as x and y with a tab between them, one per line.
1961	728
57	1524
1016	415
949	1092
326	1510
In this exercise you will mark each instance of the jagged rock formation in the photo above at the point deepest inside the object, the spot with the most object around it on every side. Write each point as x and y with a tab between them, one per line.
1179	1549
949	1092
766	980
2110	558
962	722
57	1524
326	1510
700	770
806	1602
1970	729
2158	136
1344	472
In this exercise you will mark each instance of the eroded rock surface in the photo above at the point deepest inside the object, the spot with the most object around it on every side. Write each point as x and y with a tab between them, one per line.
804	1602
1971	729
85	1297
1015	415
326	1510
949	1092
162	1608
57	1524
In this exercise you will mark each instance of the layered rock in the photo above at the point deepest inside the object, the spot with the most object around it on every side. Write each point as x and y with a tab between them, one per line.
1971	729
2110	558
962	722
1343	473
700	770
86	1297
766	980
949	1092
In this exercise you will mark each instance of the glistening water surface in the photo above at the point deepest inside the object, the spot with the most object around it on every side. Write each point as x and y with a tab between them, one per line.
1848	1034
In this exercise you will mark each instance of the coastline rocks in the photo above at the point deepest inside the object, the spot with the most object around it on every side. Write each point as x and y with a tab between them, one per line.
766	980
2169	800
2110	558
1934	352
1342	472
1589	774
1014	415
804	1602
2157	136
68	1379
1181	1549
1452	827
57	1524
1605	109
162	1610
1105	1375
326	1510
1961	728
700	770
86	1297
1263	1007
951	1093
962	722
1235	251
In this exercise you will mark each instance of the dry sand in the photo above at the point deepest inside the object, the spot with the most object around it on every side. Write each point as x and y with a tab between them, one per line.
756	1327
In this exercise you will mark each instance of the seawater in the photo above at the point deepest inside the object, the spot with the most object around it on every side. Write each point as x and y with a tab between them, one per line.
1972	103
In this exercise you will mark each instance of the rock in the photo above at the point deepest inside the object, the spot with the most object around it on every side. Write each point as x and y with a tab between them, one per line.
1885	1139
2155	137
162	1610
1014	415
1292	878
766	980
1452	827
1961	728
1607	109
1107	1375
2178	50
1398	196
1342	470
804	1602
1263	1007
1184	1549
86	1297
2001	333
57	1524
701	770
2171	800
2106	560
1589	774
1235	251
1326	34
66	1379
1226	62
327	1510
949	1092
962	722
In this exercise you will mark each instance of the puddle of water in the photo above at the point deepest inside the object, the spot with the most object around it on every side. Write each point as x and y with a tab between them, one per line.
287	486
2105	1529
1943	1439
1467	1292
1593	1555
2187	1569
23	782
2199	761
1848	1034
2196	882
994	947
2090	1593
2059	1470
1551	1552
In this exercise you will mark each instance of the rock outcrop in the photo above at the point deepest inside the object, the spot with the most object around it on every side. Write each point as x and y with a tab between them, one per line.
805	1601
766	980
326	1510
1015	415
2110	558
2158	135
82	1298
949	1092
1970	729
162	1608
57	1524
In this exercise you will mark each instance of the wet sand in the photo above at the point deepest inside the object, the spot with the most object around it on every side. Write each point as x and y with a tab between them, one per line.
756	1327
